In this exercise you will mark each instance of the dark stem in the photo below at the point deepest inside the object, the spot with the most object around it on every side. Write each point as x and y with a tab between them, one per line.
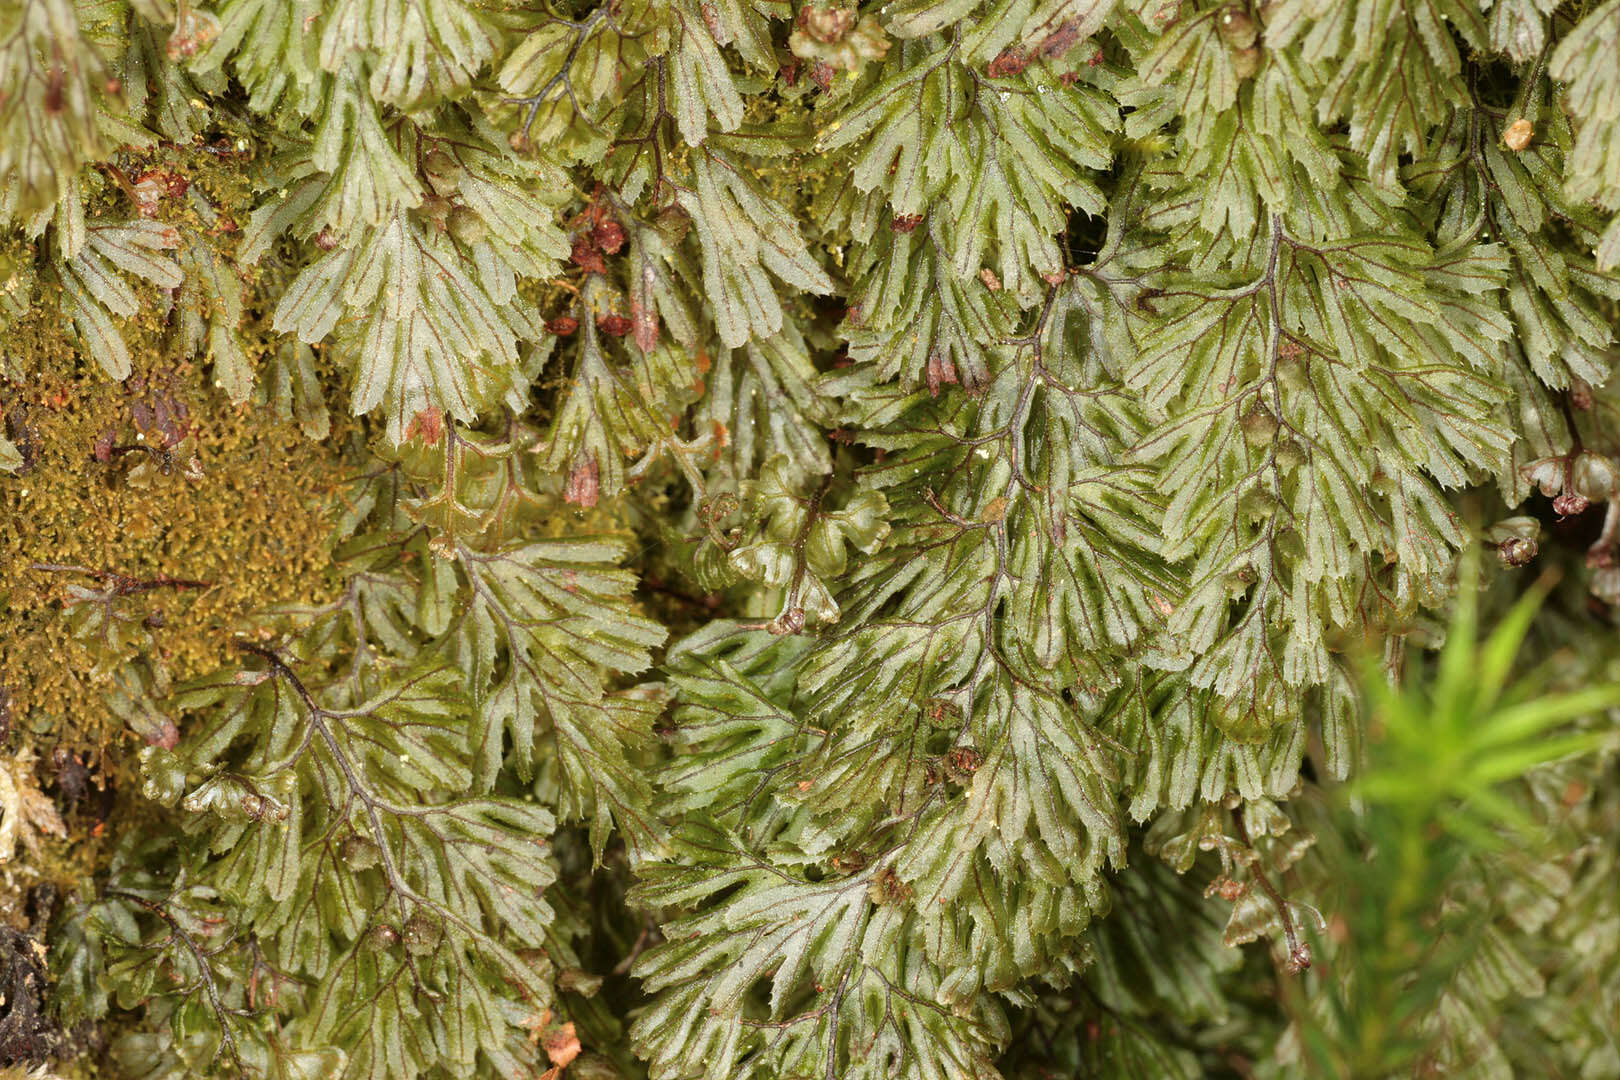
122	584
1299	954
205	972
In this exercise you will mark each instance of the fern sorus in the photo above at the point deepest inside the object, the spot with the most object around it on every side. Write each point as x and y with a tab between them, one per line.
744	540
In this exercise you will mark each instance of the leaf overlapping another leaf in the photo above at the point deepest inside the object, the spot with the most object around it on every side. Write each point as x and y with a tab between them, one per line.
428	329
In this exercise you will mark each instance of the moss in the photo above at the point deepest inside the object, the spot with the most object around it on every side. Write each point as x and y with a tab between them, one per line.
135	485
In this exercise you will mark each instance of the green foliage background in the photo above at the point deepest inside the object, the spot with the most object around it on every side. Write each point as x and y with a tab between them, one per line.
711	538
